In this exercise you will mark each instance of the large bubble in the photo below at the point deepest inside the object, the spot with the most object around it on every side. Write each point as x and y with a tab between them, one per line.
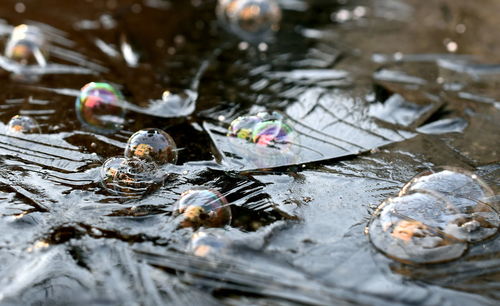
27	46
130	177
152	145
408	229
23	124
434	217
203	207
99	108
251	20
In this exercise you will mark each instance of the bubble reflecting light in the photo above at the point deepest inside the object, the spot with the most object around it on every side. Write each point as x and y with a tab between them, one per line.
23	124
152	145
434	217
203	207
130	177
251	20
99	108
27	46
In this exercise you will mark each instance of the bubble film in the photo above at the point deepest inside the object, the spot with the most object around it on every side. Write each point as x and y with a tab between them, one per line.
434	217
251	20
27	46
203	207
152	145
99	108
273	133
409	229
203	244
242	127
473	219
130	177
23	124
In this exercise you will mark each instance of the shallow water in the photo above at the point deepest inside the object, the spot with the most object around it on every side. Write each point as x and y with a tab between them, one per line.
377	90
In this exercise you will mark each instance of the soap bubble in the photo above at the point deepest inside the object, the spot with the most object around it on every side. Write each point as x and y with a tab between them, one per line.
242	127
99	108
23	124
203	207
27	46
454	182
252	20
273	133
264	140
473	219
209	245
152	145
130	177
411	228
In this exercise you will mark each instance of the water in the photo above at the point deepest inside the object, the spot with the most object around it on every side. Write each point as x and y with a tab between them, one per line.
378	91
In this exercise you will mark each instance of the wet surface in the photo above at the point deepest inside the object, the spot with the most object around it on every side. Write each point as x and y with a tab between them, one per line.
374	92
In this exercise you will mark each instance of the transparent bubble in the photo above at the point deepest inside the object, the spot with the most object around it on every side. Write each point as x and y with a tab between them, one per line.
203	207
99	108
242	127
265	140
411	229
130	177
204	244
454	182
473	219
27	46
152	145
252	20
23	124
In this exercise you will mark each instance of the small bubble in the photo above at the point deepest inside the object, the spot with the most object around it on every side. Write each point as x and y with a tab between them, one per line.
242	127
342	15
263	47
252	20
460	28
359	11
136	8
451	46
243	45
19	7
208	245
152	145
27	46
203	207
99	108
23	124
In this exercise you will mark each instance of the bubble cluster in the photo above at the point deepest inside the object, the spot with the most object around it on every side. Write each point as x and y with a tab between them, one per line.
152	145
203	207
99	108
130	177
23	124
251	20
27	46
434	217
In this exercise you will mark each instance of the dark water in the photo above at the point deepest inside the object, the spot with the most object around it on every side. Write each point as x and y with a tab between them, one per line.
377	91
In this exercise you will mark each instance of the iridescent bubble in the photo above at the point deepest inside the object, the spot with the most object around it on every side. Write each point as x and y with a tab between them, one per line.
252	20
152	145
23	124
99	108
264	140
273	133
411	229
473	219
203	207
130	177
242	127
27	46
